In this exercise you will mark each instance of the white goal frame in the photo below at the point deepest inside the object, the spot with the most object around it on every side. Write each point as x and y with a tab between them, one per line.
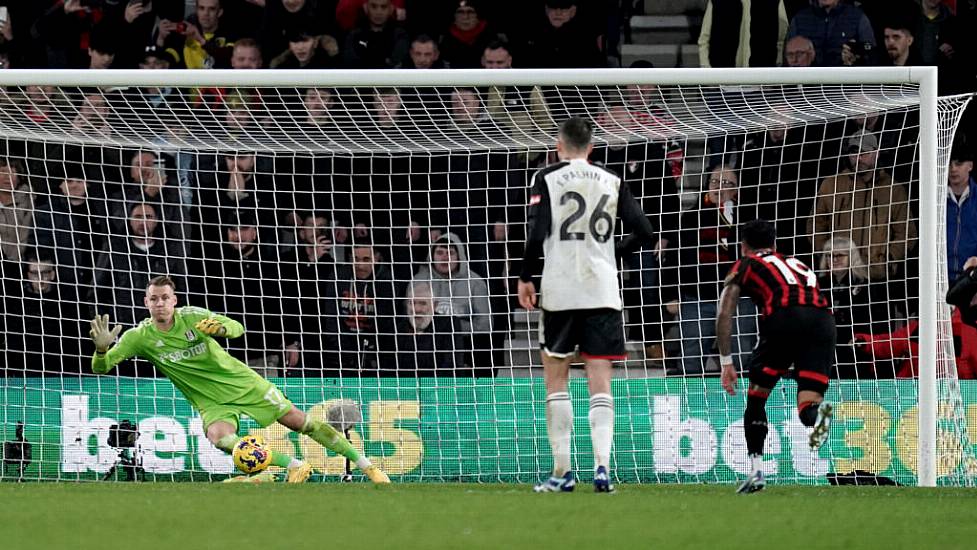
924	77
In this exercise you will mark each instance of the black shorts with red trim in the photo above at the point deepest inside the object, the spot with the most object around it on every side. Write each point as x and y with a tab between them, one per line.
598	333
799	336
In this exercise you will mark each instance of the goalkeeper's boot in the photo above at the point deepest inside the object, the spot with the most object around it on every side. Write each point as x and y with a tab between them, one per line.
822	426
602	481
264	477
376	475
300	473
752	484
555	484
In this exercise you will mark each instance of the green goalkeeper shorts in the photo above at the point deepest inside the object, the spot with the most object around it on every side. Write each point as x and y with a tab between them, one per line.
265	403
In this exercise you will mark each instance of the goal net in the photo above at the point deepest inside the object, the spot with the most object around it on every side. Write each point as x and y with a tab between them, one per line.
367	229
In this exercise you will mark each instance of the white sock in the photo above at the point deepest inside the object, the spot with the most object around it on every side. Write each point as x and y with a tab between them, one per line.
602	428
756	463
559	426
294	463
363	463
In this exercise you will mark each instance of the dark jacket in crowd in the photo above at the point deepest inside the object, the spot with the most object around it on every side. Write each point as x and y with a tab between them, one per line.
370	49
829	31
41	332
438	350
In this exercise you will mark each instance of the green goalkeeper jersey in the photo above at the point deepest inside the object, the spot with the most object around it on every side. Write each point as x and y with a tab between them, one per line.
196	364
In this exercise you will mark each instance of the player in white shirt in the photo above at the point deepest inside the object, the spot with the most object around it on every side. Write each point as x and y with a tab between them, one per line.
573	208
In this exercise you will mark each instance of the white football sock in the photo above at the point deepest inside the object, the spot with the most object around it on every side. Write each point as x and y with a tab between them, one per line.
602	428
756	463
559	426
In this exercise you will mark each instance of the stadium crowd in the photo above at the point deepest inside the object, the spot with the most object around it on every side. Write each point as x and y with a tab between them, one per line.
400	264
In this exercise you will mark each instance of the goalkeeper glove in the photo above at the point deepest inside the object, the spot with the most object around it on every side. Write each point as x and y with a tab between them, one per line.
100	333
211	327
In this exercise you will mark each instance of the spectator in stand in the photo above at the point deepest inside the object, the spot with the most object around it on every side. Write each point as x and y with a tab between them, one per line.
41	321
467	111
7	45
123	271
427	344
564	39
200	40
464	43
316	245
799	52
841	33
159	111
240	277
644	168
424	54
462	294
155	57
961	208
941	41
243	111
246	54
863	202
901	346
319	111
283	17
858	305
93	117
306	50
308	273
778	181
963	292
379	42
231	184
707	245
497	55
149	182
66	31
349	13
426	104
517	108
101	50
387	109
132	30
40	103
366	309
899	40
965	346
963	296
73	227
646	104
16	210
750	34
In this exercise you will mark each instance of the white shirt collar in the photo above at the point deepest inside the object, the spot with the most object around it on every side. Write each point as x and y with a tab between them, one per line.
963	197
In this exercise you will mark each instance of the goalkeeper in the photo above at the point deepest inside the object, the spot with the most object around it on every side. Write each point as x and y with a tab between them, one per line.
180	343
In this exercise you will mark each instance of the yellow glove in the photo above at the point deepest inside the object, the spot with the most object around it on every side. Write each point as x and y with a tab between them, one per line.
100	333
211	327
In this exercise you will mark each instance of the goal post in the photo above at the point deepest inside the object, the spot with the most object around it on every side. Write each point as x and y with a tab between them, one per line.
482	427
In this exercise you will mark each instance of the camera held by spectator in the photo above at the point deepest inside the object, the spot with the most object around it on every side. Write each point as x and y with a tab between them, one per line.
861	52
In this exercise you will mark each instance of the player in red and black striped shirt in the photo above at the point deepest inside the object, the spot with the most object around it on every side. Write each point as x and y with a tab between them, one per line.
796	328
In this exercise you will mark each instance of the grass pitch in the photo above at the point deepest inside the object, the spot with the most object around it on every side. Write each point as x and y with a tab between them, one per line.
358	516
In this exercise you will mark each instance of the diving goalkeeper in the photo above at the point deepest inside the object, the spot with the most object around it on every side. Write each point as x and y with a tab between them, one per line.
180	343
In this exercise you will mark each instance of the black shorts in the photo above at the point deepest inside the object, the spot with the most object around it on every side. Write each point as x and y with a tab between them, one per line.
800	336
599	333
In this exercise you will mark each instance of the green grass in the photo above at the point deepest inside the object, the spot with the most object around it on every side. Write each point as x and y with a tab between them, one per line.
360	516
